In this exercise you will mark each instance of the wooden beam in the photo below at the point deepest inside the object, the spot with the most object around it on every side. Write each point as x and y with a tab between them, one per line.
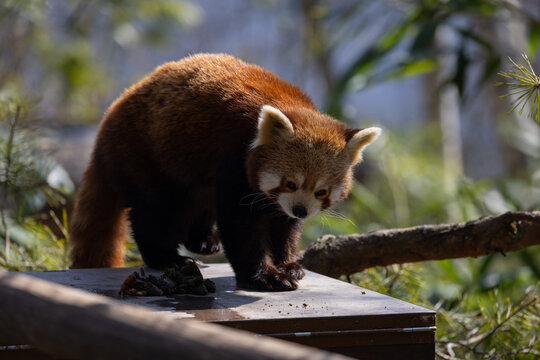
71	323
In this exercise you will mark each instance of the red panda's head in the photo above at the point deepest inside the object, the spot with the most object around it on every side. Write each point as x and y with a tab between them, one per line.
303	160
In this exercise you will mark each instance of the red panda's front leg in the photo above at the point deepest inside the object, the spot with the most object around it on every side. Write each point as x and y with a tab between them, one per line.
245	231
245	237
285	234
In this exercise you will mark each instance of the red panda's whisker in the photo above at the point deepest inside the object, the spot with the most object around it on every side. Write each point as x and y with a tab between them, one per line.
265	206
338	215
257	197
325	222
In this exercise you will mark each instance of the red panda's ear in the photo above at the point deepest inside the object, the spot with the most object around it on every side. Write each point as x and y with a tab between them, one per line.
359	141
272	123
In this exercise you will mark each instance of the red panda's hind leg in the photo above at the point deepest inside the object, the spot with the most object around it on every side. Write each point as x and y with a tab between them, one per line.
159	225
203	237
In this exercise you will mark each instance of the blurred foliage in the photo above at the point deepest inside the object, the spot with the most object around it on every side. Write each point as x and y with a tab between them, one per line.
407	187
476	325
38	246
60	52
407	43
473	297
486	306
68	47
29	179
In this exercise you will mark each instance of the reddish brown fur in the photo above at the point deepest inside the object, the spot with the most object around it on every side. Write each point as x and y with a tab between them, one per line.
175	127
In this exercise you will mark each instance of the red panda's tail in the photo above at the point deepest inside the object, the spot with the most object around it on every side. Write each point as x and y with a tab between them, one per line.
98	224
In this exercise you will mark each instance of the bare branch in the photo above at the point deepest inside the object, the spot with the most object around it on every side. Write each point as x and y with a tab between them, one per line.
337	255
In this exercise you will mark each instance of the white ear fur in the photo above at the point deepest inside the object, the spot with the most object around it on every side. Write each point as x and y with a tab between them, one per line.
272	122
359	141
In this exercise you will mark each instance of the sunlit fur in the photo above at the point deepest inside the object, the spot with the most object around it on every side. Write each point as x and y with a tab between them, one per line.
269	180
272	123
199	153
313	152
359	141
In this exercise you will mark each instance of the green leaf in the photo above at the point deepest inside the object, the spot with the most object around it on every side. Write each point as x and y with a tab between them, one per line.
19	235
447	266
364	63
461	70
413	68
534	37
393	36
424	40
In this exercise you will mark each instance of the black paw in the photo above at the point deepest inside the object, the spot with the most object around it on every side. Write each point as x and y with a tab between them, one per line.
270	280
183	261
209	246
293	269
163	263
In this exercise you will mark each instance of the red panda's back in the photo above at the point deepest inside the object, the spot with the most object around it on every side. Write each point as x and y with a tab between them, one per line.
181	120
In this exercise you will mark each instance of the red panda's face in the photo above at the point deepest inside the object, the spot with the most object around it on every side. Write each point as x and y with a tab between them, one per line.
305	167
302	196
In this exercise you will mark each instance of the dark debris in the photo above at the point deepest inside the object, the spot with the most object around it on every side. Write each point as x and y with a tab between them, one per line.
176	280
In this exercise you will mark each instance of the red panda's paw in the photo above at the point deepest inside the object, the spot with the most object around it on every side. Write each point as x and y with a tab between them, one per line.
205	248
293	269
270	280
184	262
207	245
160	262
212	248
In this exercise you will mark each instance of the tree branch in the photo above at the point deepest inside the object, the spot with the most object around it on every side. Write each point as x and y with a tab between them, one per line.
337	255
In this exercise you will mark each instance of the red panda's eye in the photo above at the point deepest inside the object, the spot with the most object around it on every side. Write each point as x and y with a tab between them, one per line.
291	186
320	193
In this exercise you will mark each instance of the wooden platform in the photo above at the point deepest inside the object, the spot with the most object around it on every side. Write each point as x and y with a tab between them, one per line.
324	312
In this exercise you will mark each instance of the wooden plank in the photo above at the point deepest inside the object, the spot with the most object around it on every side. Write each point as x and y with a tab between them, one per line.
323	312
318	297
70	323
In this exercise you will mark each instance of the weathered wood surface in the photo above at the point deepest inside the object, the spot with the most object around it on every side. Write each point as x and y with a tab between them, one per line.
70	323
323	312
337	255
318	298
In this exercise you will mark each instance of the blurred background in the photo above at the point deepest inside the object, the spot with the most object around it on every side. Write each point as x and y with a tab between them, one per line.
426	71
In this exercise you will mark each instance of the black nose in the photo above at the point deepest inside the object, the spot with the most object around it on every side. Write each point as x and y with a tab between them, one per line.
299	211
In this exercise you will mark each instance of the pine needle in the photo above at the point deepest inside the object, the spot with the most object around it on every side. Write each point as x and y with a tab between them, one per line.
524	86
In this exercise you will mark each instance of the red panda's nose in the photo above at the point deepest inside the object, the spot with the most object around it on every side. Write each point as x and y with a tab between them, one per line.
299	211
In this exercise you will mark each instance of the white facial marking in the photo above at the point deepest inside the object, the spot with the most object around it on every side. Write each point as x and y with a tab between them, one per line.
300	197
269	181
299	179
320	183
312	203
337	191
285	201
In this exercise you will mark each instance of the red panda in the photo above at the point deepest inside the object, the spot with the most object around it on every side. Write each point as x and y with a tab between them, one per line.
210	151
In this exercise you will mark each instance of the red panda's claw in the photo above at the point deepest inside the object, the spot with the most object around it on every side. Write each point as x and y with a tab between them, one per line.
293	269
271	280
